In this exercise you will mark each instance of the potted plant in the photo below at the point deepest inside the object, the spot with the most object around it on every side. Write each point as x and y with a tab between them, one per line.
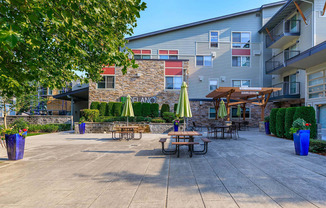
81	125
176	124
15	142
266	119
301	135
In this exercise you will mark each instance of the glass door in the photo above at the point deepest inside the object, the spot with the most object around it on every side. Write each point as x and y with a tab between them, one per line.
293	84
293	24
322	115
286	85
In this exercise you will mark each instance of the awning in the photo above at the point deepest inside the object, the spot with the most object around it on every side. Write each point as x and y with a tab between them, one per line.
77	95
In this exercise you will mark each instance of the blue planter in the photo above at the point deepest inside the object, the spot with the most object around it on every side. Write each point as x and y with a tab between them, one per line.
82	128
15	146
176	127
301	142
267	128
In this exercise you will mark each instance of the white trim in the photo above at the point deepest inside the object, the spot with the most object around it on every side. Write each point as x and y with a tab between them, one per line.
241	42
241	81
209	39
158	53
213	79
209	113
323	77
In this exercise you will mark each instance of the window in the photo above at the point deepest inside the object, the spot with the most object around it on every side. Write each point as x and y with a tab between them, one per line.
240	83
173	82
173	57
106	83
142	54
317	84
50	92
213	82
234	112
211	113
240	40
241	61
203	60
213	39
168	54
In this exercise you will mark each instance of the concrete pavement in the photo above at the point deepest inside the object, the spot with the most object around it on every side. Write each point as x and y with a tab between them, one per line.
71	170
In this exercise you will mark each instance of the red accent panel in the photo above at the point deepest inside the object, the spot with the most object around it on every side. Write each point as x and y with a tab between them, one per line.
163	52
173	71
108	70
173	63
173	52
146	51
241	52
136	51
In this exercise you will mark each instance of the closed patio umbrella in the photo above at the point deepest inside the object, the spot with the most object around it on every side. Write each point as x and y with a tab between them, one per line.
239	111
222	110
128	111
183	108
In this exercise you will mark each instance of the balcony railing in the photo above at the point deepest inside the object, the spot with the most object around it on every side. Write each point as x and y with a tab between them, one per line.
284	28
278	61
289	90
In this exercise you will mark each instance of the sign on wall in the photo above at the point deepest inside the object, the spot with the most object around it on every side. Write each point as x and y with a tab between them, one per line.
140	99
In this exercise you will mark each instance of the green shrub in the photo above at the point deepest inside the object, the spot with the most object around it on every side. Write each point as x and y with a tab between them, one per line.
307	114
168	117
289	113
138	108
109	107
146	109
91	114
34	128
165	108
19	124
317	146
64	127
50	128
102	108
117	109
266	119
272	122
94	105
155	110
175	107
158	120
280	118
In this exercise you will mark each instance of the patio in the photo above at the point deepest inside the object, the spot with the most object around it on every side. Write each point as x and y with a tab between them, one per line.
72	170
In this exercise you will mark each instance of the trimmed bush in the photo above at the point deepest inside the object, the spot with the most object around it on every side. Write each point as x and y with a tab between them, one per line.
317	146
155	109
138	108
168	117
175	107
34	128
289	113
109	107
91	114
94	105
102	108
158	120
165	108
50	128
19	124
146	109
272	121
307	114
280	118
117	109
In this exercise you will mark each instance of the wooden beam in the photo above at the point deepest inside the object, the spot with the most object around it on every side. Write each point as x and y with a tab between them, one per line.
227	104
217	104
301	13
269	34
324	9
255	103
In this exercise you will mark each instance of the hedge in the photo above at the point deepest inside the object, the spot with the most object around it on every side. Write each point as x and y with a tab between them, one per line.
272	122
317	146
146	110
48	127
138	108
155	110
91	114
289	113
102	108
280	118
308	114
109	109
94	105
158	120
165	108
168	117
117	109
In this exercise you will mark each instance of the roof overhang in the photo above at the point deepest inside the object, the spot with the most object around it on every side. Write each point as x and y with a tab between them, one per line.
77	95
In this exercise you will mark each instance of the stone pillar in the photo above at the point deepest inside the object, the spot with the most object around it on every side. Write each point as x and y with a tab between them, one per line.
261	126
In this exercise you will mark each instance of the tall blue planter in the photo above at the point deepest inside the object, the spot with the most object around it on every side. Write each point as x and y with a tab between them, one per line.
176	127
15	146
301	142
267	131
82	128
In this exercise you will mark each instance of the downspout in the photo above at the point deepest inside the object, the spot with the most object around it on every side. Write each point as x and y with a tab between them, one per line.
313	25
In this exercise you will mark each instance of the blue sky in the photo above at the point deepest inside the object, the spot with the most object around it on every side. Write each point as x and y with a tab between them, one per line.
161	14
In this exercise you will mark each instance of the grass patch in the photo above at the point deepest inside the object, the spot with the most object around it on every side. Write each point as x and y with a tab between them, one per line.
317	146
35	134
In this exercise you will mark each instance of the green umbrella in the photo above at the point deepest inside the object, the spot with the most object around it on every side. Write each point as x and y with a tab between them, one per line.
239	111
183	108
128	111
222	110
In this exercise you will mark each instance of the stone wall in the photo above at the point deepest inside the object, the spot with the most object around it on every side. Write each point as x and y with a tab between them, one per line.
40	119
150	83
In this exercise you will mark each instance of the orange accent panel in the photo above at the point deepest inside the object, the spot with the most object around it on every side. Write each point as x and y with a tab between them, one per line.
108	70
241	52
163	52
173	63
146	51
136	51
173	52
173	71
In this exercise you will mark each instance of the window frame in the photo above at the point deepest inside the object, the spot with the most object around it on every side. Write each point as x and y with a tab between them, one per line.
234	107
323	77
209	112
105	88
209	85
241	80
173	76
141	49
240	39
211	66
218	37
241	61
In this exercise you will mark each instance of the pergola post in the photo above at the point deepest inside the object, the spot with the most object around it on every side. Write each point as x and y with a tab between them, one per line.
216	104
264	103
244	111
227	104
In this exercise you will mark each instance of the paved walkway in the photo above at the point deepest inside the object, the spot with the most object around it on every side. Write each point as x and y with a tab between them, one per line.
69	170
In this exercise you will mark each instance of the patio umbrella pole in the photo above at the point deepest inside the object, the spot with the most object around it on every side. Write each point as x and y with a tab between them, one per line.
127	120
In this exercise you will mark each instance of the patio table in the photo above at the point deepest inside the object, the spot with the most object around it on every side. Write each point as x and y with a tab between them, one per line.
222	127
239	124
187	135
127	131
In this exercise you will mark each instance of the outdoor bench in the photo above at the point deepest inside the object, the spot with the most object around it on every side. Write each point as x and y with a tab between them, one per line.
190	144
166	152
204	151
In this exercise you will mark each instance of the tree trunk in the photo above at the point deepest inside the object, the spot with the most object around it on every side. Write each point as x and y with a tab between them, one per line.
4	115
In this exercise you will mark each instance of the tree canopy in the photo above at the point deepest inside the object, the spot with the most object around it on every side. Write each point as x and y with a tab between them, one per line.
51	41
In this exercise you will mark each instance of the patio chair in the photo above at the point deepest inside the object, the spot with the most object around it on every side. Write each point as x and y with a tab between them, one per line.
210	131
195	127
246	125
234	130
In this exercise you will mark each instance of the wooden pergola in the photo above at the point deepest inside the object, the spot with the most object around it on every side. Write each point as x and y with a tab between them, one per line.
241	95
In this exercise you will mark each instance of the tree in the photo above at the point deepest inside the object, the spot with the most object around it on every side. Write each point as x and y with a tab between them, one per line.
57	41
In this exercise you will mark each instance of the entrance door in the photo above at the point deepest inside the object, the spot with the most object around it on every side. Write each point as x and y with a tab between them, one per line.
322	116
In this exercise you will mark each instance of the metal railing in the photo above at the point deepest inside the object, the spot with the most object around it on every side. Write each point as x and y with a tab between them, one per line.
278	60
292	27
288	88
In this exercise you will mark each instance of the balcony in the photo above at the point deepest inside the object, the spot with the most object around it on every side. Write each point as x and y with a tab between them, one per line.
290	90
283	33
277	64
